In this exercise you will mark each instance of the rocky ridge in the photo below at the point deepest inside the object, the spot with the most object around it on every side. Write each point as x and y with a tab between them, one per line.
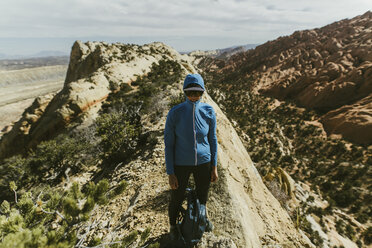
95	70
324	69
243	210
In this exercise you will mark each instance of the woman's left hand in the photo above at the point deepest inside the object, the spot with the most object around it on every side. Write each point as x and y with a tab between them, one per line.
214	174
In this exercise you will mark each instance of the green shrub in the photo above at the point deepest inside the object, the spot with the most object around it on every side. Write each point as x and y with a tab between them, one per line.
367	236
177	99
119	136
362	217
15	168
130	239
28	222
5	207
344	197
71	207
350	232
26	205
340	226
120	188
95	242
156	245
145	234
26	238
51	158
98	192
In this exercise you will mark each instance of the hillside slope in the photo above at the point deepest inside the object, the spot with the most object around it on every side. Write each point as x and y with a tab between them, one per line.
306	126
326	69
108	81
20	87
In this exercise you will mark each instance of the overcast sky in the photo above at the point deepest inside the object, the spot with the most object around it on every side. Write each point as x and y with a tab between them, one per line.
29	26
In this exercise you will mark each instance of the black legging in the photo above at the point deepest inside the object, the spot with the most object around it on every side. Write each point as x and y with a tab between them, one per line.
202	178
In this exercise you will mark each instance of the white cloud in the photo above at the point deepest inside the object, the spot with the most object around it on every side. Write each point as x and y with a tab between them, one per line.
254	21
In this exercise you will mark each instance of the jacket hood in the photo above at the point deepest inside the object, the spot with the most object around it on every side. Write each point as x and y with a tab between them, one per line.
193	79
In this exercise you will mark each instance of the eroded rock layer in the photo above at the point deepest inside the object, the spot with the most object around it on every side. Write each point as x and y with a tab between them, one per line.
323	69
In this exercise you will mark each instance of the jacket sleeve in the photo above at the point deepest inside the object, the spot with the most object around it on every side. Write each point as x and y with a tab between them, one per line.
212	138
169	140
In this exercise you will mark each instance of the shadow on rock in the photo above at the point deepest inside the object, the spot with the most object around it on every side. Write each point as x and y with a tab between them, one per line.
160	202
165	242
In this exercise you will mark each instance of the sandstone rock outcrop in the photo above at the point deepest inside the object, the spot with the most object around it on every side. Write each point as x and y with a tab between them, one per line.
345	119
286	183
95	70
324	69
18	137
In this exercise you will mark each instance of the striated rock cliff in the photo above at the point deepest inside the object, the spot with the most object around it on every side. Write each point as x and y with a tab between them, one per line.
322	69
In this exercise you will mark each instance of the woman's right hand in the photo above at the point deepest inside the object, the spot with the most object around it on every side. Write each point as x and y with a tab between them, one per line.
173	182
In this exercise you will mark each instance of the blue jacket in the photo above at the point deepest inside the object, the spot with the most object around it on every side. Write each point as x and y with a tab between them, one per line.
190	134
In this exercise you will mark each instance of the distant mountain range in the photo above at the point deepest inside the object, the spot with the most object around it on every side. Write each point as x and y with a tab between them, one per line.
222	52
229	51
22	63
41	54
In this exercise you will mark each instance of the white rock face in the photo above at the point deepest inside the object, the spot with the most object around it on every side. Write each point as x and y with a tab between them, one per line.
316	227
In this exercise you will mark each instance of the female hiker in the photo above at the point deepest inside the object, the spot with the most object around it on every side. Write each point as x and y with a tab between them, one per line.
190	147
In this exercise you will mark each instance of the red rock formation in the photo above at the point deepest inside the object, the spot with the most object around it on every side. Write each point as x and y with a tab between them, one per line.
323	68
354	121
